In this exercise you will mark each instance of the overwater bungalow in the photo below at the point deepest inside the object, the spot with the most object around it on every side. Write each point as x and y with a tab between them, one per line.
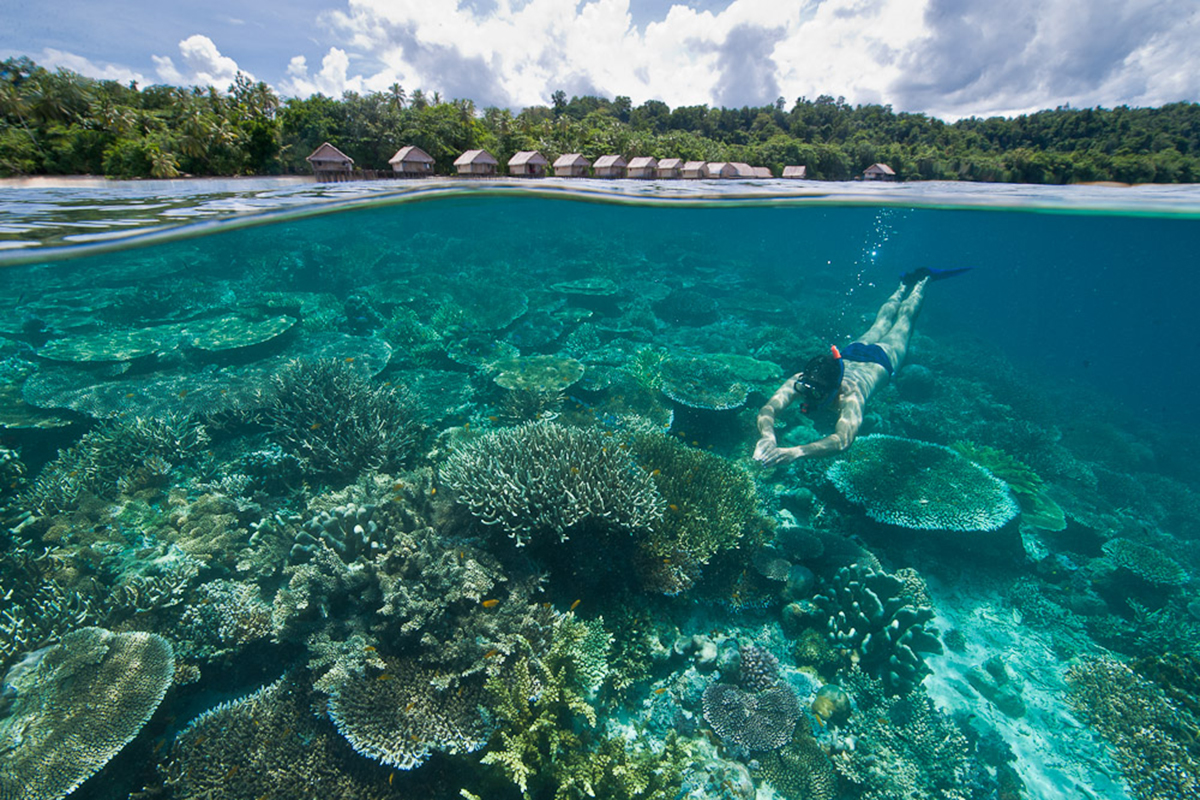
571	165
799	173
693	170
610	167
330	164
742	170
719	169
670	168
412	162
879	172
476	164
763	172
528	164
643	167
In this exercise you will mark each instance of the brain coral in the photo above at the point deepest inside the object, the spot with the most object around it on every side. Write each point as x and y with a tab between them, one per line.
918	485
546	478
74	706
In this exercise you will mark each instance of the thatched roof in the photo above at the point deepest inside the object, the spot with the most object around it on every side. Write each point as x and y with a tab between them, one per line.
671	163
694	165
879	169
611	161
762	172
411	153
795	172
475	157
643	162
527	157
571	160
327	153
742	169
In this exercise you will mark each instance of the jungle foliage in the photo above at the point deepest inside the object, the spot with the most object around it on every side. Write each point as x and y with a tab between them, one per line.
60	122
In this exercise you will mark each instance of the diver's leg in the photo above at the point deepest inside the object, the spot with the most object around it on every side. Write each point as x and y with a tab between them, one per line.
885	318
895	341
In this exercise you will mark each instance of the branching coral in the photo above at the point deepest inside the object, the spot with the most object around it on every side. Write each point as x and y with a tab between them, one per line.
118	455
913	484
800	770
540	704
545	478
328	414
873	614
73	706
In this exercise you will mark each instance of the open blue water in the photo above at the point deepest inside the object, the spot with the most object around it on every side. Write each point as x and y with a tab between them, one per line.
1070	346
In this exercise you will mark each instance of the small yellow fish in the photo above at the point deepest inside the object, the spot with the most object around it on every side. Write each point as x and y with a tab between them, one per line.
491	654
370	648
575	605
384	677
490	603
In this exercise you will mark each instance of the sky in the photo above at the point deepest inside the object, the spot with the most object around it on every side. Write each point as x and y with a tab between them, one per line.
946	58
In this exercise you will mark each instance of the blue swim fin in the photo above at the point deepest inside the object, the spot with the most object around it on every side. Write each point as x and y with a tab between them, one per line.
916	275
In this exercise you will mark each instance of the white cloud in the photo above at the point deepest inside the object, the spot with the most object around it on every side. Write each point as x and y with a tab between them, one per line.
203	64
948	57
53	59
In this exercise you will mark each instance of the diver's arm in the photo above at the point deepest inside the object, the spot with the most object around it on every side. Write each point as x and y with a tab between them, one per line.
767	451
851	402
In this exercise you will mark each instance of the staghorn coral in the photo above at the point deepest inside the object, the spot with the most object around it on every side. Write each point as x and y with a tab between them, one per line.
12	475
540	706
1152	735
37	607
545	478
118	455
874	616
924	486
402	715
270	746
329	415
73	706
749	721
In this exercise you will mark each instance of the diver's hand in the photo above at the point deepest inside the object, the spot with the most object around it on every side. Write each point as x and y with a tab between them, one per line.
772	455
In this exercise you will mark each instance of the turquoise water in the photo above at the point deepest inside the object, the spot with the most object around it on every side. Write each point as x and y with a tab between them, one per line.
524	399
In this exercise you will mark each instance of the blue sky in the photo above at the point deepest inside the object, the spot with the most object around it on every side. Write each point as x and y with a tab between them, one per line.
949	58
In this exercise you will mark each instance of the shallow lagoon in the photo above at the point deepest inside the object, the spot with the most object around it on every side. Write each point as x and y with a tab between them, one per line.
1066	348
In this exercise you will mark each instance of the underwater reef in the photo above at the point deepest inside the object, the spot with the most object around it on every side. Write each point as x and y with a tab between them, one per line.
348	517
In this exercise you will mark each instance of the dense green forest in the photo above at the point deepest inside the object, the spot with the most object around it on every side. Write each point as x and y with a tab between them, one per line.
60	122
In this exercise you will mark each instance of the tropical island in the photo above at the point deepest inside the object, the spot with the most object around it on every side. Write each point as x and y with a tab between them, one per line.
63	123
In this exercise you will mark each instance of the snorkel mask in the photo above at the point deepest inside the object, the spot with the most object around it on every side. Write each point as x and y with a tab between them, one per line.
820	380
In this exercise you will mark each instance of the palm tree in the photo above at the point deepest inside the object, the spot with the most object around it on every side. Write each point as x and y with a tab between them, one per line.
398	95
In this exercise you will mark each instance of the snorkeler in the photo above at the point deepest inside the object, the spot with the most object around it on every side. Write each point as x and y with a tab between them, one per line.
848	376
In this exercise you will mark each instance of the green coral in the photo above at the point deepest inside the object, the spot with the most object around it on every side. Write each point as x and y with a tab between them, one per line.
710	504
913	484
1145	562
1038	509
540	705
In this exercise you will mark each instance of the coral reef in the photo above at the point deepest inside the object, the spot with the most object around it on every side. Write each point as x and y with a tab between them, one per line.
702	383
270	745
1148	730
399	716
876	617
348	530
710	504
118	455
1038	509
71	707
1145	563
750	721
800	770
329	415
546	478
914	484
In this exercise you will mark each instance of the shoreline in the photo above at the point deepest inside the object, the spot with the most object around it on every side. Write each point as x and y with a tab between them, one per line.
99	181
